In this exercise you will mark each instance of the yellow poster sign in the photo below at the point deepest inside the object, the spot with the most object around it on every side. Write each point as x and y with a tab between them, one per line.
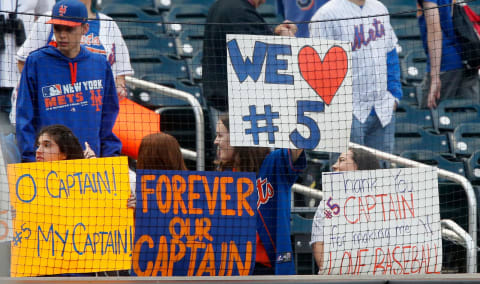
71	217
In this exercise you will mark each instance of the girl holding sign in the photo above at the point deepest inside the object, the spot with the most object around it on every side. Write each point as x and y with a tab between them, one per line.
57	142
355	159
276	172
157	151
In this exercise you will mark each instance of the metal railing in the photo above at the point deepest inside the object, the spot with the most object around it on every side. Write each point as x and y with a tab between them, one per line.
196	107
467	186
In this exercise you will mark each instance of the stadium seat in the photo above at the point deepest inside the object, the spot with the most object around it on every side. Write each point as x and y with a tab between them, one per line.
437	160
453	203
180	15
412	137
180	123
301	229
132	28
132	12
148	4
190	42
158	100
143	64
195	66
317	163
396	7
410	95
269	12
466	139
148	44
472	165
206	3
406	113
453	112
405	45
413	67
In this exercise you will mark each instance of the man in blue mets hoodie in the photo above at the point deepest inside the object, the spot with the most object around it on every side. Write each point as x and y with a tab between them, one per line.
68	85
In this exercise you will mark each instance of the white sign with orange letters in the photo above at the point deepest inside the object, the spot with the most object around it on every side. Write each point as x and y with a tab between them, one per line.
382	222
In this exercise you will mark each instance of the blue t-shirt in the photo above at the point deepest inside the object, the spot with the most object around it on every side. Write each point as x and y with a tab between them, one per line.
451	59
299	11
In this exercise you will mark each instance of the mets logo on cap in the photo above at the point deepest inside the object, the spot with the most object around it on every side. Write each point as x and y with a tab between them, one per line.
62	10
69	13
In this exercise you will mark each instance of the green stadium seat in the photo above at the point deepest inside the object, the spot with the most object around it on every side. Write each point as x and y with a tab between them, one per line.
143	64
453	203
453	112
138	3
406	113
410	95
131	11
466	139
410	136
413	67
179	121
180	16
132	29
190	42
206	3
148	44
195	66
433	159
472	165
158	100
269	12
301	229
406	45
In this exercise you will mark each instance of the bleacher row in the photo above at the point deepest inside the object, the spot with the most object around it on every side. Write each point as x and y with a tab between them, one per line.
165	43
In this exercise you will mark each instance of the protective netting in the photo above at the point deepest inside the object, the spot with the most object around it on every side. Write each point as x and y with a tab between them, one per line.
165	138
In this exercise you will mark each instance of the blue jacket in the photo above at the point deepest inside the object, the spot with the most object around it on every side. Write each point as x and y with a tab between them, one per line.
274	181
78	93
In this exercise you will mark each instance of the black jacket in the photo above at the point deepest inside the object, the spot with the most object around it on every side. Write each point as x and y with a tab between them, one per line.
225	17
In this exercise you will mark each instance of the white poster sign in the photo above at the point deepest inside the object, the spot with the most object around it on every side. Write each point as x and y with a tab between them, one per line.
382	222
289	92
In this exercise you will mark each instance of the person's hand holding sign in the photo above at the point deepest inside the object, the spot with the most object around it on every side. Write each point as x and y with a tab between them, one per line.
287	28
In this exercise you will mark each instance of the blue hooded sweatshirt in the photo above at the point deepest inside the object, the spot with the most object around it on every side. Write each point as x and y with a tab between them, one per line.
79	93
274	181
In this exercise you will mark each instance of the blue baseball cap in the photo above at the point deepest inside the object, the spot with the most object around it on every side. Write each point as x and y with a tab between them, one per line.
70	13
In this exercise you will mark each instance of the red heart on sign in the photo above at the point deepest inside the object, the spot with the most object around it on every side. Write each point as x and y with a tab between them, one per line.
326	76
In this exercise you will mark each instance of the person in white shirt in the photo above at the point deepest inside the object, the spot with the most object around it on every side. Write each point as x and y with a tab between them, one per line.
14	11
375	65
354	159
